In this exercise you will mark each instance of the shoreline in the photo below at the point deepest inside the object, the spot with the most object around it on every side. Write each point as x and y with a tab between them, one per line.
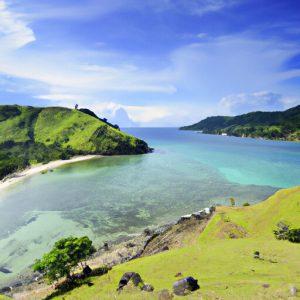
36	169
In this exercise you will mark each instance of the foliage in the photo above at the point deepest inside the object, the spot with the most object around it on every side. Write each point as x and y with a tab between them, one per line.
232	201
64	257
270	125
246	204
32	135
284	232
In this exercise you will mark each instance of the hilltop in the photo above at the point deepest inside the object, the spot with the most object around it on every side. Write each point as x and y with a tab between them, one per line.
283	125
31	135
220	256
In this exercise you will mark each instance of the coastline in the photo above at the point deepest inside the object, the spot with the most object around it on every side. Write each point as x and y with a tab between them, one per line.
36	169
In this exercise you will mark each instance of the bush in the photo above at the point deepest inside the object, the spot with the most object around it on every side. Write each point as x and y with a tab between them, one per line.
294	235
232	201
246	204
284	232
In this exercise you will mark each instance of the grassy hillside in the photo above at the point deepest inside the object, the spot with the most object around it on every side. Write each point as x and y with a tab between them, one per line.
30	135
222	258
271	125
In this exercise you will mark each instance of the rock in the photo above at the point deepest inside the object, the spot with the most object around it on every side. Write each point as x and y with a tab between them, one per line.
6	289
87	270
185	285
148	288
265	285
17	284
164	248
148	231
293	291
165	295
105	247
130	245
256	255
179	274
5	270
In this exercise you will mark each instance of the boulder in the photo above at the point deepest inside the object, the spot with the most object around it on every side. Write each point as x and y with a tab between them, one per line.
6	289
5	270
185	285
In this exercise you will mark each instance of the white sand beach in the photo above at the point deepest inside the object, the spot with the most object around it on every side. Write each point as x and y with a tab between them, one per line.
18	176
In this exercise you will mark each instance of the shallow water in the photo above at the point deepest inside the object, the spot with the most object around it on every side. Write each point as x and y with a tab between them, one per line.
114	196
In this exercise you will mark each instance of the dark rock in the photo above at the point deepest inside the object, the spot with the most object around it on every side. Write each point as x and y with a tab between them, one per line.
105	247
87	270
265	285
148	231
5	270
185	285
256	255
130	245
17	284
6	289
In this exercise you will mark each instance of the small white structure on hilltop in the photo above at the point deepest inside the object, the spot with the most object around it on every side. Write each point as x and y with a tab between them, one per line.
199	215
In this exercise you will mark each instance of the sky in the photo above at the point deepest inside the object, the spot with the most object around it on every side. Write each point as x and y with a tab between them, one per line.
152	62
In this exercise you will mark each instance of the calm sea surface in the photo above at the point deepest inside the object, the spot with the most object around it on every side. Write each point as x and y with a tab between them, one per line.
115	196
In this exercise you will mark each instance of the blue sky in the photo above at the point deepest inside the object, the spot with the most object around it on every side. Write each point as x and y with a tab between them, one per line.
159	62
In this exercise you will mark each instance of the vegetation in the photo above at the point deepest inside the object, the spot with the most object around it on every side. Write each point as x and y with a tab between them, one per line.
232	201
64	257
222	259
31	135
270	125
284	232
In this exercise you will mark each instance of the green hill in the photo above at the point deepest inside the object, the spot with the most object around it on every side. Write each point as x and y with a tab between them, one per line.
30	135
270	125
221	258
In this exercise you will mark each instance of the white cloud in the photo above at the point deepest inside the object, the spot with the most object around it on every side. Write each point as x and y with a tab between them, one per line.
87	9
14	33
201	35
258	101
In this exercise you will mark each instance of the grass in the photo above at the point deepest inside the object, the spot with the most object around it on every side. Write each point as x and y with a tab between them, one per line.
31	135
224	266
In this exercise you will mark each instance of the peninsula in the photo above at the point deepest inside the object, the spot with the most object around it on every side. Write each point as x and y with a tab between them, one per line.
276	125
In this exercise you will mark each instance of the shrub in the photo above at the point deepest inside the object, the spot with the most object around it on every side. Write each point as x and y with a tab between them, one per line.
284	232
294	235
232	201
246	204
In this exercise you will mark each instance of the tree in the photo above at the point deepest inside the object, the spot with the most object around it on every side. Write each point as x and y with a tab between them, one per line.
64	257
232	201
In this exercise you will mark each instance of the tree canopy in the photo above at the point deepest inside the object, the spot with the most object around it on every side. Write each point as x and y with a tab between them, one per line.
64	257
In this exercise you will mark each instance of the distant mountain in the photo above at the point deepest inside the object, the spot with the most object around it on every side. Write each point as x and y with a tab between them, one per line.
30	135
283	125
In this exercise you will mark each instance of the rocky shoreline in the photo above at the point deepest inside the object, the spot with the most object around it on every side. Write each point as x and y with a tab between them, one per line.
149	242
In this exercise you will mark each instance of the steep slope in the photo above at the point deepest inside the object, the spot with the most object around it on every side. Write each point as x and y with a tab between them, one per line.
271	125
222	259
30	135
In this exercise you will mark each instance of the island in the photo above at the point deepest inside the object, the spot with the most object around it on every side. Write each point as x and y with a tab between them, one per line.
35	135
278	125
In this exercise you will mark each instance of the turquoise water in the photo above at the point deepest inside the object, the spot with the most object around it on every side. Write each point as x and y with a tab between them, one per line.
112	197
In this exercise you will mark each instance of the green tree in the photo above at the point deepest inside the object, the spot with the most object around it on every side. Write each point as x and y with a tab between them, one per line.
232	201
64	257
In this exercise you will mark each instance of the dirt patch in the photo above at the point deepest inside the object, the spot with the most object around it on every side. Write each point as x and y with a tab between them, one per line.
228	229
183	233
